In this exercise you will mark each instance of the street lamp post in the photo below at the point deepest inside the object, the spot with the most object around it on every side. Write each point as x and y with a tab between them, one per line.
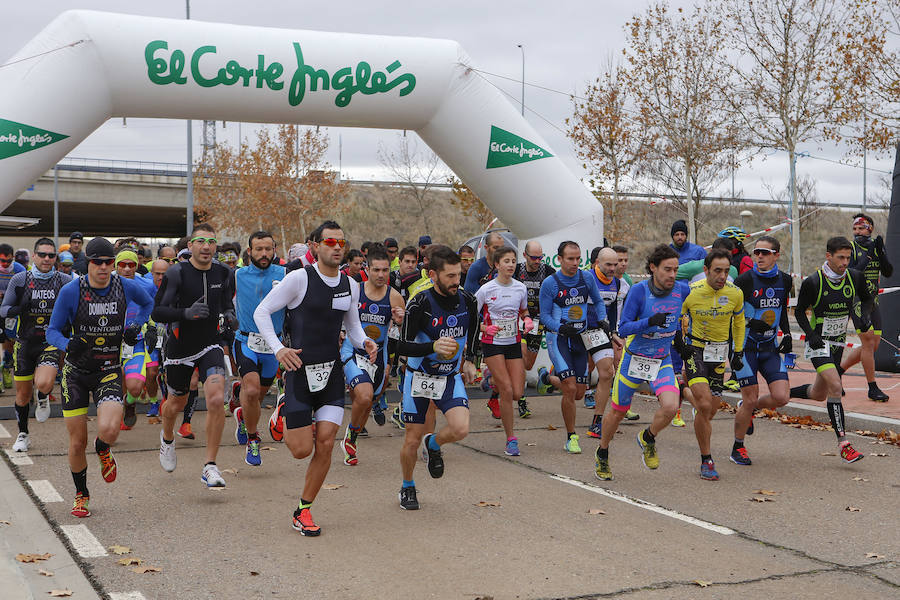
522	48
190	157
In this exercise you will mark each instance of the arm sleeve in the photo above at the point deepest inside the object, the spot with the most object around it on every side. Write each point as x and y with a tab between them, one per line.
805	299
599	306
785	323
354	329
866	298
290	291
548	293
887	269
631	323
739	323
63	314
166	299
479	299
472	334
412	325
136	294
11	297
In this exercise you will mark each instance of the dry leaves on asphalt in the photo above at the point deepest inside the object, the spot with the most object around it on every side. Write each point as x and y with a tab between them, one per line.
60	593
766	492
857	478
127	562
551	427
45	573
702	583
878	454
254	573
827	454
596	511
30	558
5	523
873	555
488	503
115	549
147	570
154	420
763	499
267	448
852	509
230	471
531	444
332	486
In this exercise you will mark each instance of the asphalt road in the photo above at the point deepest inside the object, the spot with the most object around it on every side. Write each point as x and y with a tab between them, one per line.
661	534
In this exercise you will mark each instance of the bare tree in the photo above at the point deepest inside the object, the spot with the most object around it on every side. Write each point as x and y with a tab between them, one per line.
417	170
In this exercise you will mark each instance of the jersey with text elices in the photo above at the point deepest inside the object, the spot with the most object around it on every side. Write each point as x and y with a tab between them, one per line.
251	285
375	318
565	300
641	303
765	299
315	323
442	319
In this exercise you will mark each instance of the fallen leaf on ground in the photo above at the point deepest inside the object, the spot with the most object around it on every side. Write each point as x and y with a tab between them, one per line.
146	569
531	444
485	503
702	583
154	420
873	555
878	454
254	573
30	558
45	573
267	448
127	562
766	492
852	509
859	479
827	454
230	471
5	523
765	499
332	486
60	593
551	427
119	549
596	511
484	598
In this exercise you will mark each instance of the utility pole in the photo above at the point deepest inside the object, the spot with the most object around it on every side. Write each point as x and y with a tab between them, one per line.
189	171
522	48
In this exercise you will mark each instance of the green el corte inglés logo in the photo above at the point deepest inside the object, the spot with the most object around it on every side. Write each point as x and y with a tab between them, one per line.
509	149
18	138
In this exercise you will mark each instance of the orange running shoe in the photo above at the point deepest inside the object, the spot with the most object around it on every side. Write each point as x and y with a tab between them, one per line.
185	431
107	465
276	423
303	522
849	454
80	507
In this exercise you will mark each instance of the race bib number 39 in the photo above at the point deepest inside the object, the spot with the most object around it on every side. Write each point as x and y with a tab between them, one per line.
317	375
258	344
642	367
428	386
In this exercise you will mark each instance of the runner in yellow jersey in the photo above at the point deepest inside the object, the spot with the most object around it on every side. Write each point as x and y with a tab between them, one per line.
714	312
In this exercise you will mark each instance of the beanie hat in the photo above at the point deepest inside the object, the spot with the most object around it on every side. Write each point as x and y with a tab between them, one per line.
99	246
127	255
677	226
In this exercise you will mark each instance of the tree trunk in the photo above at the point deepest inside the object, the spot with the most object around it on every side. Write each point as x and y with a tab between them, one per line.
689	201
795	218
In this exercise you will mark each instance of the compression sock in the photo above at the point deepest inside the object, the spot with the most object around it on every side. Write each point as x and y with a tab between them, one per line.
738	444
836	412
432	443
80	479
100	445
408	483
602	453
189	406
354	431
649	437
597	419
800	391
22	416
129	398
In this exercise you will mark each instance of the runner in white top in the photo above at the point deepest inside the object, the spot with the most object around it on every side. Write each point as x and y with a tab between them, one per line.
501	301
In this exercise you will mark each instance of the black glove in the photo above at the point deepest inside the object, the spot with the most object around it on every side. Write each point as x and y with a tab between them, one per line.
198	310
151	336
759	326
737	361
815	341
604	325
77	345
681	347
658	319
131	333
786	346
22	307
571	330
878	244
231	320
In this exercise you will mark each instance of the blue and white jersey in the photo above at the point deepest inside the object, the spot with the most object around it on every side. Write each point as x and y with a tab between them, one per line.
565	300
252	284
641	337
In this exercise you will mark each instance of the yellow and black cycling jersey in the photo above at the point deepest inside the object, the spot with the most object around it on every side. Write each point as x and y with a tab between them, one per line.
714	315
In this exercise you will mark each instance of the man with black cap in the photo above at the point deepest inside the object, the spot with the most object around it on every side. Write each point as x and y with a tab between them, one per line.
392	248
76	240
686	250
93	308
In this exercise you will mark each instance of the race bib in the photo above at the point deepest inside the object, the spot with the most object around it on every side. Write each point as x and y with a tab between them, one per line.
363	362
824	352
834	326
508	328
428	386
643	367
715	352
127	351
317	375
593	338
11	323
258	343
394	332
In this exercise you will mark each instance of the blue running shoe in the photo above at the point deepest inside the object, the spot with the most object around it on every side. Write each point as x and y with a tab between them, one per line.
512	447
240	431
589	401
486	379
153	409
708	471
253	459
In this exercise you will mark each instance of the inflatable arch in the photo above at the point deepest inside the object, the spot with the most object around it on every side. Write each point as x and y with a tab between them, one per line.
86	67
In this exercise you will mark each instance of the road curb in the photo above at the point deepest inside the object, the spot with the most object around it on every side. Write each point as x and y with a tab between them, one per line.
852	420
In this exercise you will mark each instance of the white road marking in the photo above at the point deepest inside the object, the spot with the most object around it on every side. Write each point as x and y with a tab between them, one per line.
18	458
126	596
84	541
44	490
644	504
3	432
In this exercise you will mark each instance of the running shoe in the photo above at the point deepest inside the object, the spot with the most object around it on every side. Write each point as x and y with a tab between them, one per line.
396	420
129	417
378	408
435	460
649	456
22	443
167	454
708	471
739	456
349	450
107	465
494	406
512	447
423	453
408	500
732	385
211	476
7	378
848	454
124	427
485	379
185	431
875	395
240	430
42	409
524	412
235	401
80	507
303	522
678	421
153	409
276	423
572	446
589	401
601	469
479	376
543	381
363	433
631	415
596	429
253	458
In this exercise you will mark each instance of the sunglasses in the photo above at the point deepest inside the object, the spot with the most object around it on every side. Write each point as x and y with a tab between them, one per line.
202	240
46	254
763	251
6	261
533	257
332	242
127	264
467	259
171	261
102	261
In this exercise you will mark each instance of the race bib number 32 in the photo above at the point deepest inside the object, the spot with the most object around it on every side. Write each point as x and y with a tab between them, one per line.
317	375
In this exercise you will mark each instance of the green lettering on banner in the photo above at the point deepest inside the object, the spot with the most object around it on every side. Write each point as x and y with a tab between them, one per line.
18	138
509	149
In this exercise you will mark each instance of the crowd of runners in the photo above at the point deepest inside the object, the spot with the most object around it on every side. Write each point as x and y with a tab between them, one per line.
322	320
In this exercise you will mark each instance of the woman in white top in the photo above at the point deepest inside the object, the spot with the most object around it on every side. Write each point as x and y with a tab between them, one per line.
501	302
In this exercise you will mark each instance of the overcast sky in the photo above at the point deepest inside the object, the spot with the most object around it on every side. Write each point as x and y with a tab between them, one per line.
567	43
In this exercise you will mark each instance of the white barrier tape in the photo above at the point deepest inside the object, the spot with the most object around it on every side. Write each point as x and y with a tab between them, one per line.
802	337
